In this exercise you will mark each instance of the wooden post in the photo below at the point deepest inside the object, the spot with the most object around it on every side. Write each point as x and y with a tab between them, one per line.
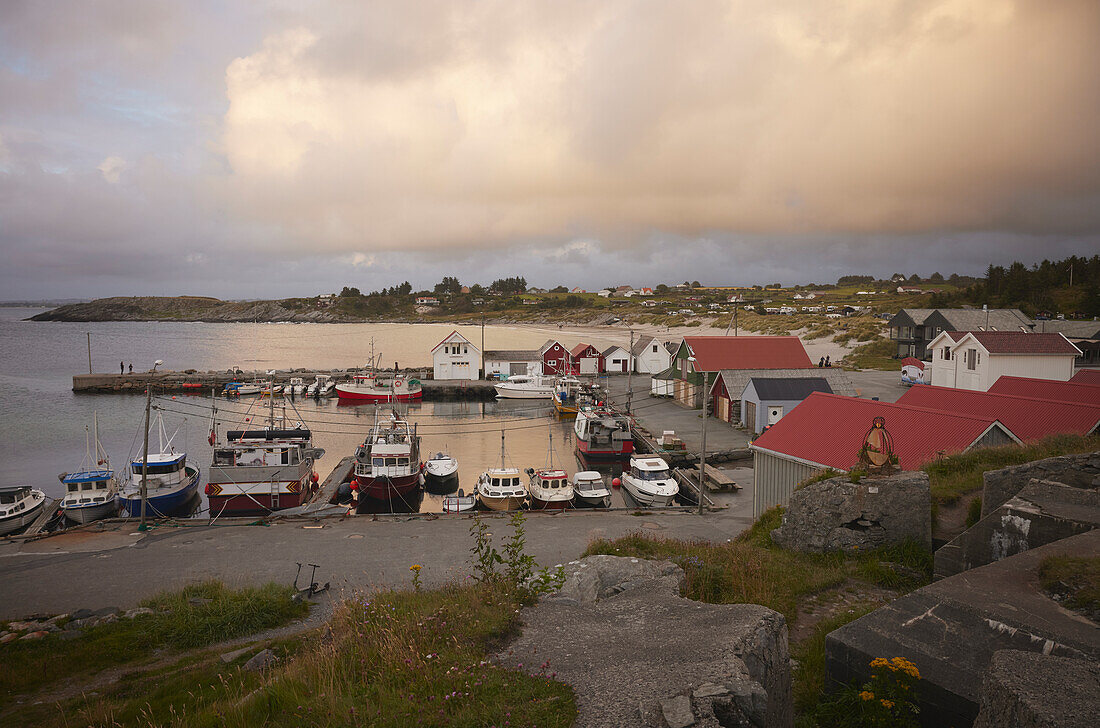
145	455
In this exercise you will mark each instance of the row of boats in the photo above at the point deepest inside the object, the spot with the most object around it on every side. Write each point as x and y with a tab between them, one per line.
363	387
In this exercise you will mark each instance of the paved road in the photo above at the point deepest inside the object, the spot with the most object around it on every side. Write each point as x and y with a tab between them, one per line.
119	566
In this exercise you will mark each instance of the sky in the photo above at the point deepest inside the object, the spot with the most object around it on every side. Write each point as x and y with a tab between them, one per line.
276	149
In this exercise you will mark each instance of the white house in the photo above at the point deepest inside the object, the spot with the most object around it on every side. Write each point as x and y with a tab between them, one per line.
507	362
605	293
976	359
427	301
617	360
456	358
651	356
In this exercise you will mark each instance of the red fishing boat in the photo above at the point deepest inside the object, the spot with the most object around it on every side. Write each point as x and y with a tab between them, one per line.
372	387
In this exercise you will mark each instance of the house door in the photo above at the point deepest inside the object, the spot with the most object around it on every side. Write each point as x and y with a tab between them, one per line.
589	364
775	413
723	409
517	368
443	370
750	415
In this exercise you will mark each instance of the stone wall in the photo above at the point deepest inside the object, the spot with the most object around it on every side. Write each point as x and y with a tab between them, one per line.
1031	690
1079	471
836	514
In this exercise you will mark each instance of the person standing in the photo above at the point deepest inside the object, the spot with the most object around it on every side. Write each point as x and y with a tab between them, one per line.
131	367
121	367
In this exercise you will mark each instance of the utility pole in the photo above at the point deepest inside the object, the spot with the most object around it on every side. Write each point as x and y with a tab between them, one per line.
703	448
630	372
483	372
145	456
89	352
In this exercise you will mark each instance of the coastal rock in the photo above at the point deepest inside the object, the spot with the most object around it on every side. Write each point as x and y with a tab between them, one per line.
9	637
138	612
228	657
610	626
105	611
677	712
34	635
82	614
837	514
260	661
23	626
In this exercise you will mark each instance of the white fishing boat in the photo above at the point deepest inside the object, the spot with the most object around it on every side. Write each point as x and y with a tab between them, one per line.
650	483
441	473
550	489
322	386
241	388
19	506
590	491
523	386
91	492
459	502
500	489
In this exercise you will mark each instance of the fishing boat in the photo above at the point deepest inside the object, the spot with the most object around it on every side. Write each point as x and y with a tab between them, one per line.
295	386
372	387
260	470
91	493
523	386
269	387
459	502
650	483
590	491
242	388
441	473
19	506
322	386
603	434
550	489
170	481
500	489
566	395
387	464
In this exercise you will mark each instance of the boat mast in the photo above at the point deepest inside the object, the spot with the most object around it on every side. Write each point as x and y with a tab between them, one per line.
502	448
145	456
271	398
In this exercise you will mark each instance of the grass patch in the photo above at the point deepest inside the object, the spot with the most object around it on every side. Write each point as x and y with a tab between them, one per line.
220	614
809	677
878	354
957	475
1075	580
388	659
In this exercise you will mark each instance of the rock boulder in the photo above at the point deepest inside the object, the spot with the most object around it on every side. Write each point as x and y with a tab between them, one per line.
1033	690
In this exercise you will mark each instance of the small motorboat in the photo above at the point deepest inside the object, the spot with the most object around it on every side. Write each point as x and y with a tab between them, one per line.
371	387
522	386
590	491
241	388
441	474
19	506
459	502
91	493
322	386
500	489
295	386
550	489
650	483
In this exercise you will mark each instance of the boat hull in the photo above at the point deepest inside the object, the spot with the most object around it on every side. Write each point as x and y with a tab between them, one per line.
460	503
358	395
164	503
387	489
592	501
507	503
440	484
538	504
624	450
504	392
87	514
11	524
648	500
254	504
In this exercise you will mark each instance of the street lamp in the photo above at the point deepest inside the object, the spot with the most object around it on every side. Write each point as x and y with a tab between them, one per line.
703	446
156	364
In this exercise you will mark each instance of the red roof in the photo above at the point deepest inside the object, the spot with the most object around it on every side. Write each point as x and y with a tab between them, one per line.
453	332
580	349
1087	376
1049	389
1027	417
911	361
829	430
1021	342
715	353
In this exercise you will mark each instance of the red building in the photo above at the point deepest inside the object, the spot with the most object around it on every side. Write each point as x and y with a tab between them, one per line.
586	359
555	358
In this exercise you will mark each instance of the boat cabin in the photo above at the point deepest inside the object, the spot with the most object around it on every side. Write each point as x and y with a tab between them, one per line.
165	467
503	483
552	479
650	469
90	486
14	500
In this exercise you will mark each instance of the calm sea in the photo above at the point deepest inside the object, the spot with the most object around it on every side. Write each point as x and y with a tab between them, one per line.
43	424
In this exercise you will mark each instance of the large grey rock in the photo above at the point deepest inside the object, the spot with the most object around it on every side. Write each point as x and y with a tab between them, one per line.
628	644
1041	513
1078	471
951	629
260	661
836	514
1032	690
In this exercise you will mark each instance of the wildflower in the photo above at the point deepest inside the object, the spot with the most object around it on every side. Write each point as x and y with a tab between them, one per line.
867	695
887	703
879	662
415	567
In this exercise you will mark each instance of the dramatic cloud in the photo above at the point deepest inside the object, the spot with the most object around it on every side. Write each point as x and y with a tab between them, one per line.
560	140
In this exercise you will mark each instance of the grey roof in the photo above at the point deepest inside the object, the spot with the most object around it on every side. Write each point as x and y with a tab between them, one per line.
775	390
975	319
641	345
607	352
1070	329
672	346
737	379
512	355
911	316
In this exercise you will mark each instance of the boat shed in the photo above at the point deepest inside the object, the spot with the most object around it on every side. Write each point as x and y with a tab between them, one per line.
1028	418
586	359
729	387
651	356
699	356
555	358
504	363
617	360
766	399
456	358
827	431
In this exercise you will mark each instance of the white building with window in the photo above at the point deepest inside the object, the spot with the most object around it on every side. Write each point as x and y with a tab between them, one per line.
651	356
976	359
456	358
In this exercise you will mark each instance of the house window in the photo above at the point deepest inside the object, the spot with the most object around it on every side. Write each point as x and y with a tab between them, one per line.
971	359
654	348
947	353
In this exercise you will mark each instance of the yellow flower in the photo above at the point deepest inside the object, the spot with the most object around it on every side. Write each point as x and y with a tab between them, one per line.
879	662
415	567
887	703
867	695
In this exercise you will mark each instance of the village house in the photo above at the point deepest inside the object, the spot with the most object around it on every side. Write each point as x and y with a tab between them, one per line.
977	359
827	431
650	356
645	292
555	358
914	328
605	293
578	290
617	360
427	301
585	359
456	358
649	304
766	399
705	356
325	300
728	391
504	363
1085	335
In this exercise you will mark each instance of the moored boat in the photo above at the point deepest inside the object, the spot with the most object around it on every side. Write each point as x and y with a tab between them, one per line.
590	491
603	434
566	394
371	387
549	489
170	481
19	506
500	489
650	483
441	474
459	502
523	386
322	386
241	388
387	465
295	386
91	493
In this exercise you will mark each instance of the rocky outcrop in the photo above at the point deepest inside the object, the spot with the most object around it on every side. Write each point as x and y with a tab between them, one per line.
839	515
1031	690
637	653
190	308
1079	471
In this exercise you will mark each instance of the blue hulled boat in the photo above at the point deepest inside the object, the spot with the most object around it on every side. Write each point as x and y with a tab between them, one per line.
170	481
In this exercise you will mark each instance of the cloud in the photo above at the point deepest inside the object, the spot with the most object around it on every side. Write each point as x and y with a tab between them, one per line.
111	168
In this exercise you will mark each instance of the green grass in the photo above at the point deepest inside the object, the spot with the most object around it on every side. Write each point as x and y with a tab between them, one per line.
809	677
395	658
957	475
878	354
1077	578
177	625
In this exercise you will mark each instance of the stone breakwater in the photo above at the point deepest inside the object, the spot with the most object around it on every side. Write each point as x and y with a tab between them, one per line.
202	383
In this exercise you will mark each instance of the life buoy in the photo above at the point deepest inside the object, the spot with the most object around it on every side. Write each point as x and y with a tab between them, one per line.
211	439
313	478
